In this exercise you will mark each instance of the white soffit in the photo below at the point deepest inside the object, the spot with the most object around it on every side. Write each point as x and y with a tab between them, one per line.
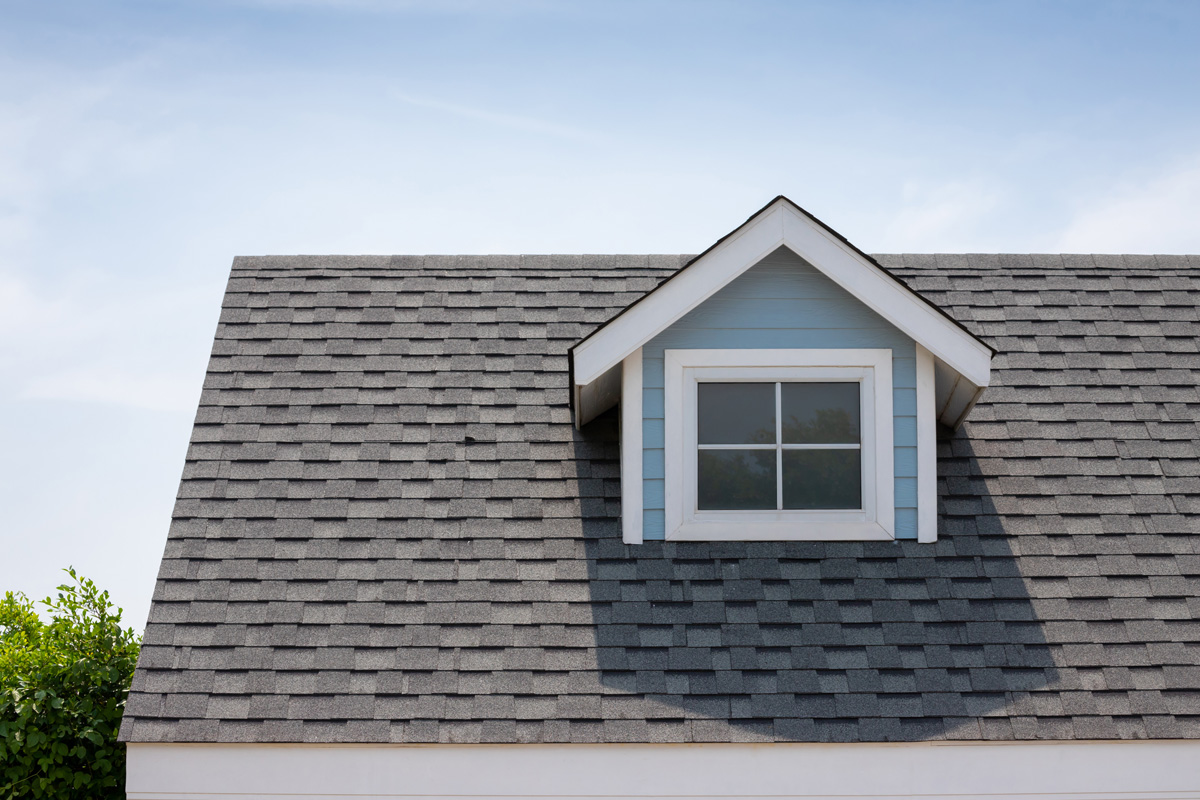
782	223
1077	770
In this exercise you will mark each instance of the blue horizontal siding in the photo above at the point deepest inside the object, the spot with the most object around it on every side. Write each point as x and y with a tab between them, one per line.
652	370
652	434
652	463
652	492
730	338
906	465
904	369
652	403
905	488
904	403
782	302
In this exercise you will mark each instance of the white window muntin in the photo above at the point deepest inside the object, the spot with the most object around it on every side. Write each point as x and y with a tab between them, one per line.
871	368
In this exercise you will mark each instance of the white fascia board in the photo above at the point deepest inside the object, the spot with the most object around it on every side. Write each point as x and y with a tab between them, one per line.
1097	770
783	224
887	297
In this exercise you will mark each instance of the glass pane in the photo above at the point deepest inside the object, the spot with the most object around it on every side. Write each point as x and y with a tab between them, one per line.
822	479
820	413
736	480
736	413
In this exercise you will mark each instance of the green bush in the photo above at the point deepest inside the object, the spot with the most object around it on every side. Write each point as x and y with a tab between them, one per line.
62	692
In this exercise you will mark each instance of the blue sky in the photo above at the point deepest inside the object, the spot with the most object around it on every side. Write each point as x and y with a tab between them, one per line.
144	144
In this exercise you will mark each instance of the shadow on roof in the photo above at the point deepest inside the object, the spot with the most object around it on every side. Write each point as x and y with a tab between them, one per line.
809	641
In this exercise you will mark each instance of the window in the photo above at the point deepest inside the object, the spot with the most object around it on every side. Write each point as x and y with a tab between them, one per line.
779	444
793	445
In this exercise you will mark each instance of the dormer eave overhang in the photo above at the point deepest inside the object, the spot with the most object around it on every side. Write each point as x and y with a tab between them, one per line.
964	359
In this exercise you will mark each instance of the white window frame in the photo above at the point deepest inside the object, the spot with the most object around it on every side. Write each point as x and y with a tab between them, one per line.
872	368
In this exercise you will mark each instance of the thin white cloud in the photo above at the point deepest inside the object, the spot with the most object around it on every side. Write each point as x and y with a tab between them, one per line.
20	308
941	217
63	135
87	341
516	122
112	385
474	7
38	328
1157	215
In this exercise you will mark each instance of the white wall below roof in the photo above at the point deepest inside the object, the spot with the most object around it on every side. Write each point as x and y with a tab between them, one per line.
1159	770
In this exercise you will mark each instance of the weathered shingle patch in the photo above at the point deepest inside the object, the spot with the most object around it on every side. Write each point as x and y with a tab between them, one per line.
388	529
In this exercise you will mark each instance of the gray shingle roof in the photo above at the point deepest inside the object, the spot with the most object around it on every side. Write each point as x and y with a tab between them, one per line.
389	530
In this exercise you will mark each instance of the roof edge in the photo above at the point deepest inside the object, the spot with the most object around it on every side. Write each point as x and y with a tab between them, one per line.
841	257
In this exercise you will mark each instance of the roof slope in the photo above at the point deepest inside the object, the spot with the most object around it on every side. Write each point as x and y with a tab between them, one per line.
389	530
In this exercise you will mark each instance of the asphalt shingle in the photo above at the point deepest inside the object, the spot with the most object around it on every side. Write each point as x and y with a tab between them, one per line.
388	529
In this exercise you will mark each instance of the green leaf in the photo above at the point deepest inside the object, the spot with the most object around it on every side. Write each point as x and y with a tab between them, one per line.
63	682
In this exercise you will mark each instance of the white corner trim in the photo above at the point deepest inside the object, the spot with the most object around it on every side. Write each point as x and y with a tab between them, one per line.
1078	770
783	224
631	448
872	368
926	448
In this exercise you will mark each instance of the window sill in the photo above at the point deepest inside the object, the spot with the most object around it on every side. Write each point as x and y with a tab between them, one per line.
726	531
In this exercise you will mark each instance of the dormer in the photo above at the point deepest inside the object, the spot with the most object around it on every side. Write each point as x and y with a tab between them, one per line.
780	386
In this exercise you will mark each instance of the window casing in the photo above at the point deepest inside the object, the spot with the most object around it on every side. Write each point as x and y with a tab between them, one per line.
703	512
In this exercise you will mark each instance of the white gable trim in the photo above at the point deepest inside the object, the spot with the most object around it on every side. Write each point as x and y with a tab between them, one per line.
1097	770
782	224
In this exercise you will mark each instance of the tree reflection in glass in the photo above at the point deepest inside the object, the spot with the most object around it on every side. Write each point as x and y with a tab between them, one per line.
736	413
820	413
736	480
816	479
